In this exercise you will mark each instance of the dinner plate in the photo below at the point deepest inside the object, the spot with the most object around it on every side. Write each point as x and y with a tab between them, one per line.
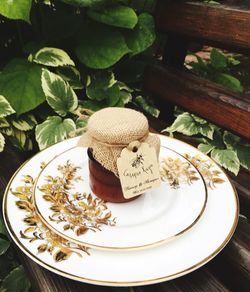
122	268
64	202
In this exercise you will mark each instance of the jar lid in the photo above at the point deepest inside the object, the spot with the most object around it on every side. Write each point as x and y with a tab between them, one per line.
117	125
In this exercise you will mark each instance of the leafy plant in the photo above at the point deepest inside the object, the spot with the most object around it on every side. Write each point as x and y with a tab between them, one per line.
12	275
75	54
217	69
227	149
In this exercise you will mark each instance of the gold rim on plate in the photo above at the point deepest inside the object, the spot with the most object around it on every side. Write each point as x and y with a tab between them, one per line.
120	283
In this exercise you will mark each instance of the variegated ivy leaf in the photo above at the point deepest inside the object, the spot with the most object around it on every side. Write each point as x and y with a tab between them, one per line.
7	131
189	124
2	142
205	148
18	139
241	147
147	107
227	158
5	108
53	57
25	123
242	152
4	123
59	95
71	75
21	140
54	129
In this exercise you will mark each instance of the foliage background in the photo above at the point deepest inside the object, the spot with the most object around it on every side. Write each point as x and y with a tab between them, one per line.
75	57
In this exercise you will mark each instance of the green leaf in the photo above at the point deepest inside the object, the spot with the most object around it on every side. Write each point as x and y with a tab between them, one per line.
143	34
4	245
60	96
118	15
147	107
7	131
71	75
2	142
20	83
230	139
4	123
5	107
102	86
217	140
229	81
124	98
54	129
7	263
80	123
93	104
184	124
233	61
243	153
227	158
218	60
237	144
18	139
24	123
114	96
101	47
53	57
17	281
205	148
16	9
199	120
207	130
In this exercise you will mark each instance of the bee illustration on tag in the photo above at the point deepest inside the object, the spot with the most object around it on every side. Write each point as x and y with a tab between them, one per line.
137	161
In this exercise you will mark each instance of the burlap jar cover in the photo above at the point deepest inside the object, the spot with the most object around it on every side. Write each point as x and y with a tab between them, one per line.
112	129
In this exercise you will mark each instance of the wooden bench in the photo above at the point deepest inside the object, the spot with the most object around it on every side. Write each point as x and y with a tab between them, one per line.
228	27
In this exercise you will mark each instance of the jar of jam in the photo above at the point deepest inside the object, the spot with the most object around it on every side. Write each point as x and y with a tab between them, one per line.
109	131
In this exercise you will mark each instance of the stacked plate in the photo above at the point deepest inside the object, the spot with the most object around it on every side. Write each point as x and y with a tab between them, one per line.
54	218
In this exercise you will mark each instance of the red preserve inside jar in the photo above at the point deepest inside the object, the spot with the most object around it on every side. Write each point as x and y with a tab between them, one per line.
104	183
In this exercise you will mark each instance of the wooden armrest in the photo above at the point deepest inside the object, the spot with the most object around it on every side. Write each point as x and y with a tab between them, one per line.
205	98
218	24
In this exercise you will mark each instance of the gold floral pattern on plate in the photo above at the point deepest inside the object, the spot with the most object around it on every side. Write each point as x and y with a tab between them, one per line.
60	248
80	212
208	170
176	172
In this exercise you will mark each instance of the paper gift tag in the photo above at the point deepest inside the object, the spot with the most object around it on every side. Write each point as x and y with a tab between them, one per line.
138	170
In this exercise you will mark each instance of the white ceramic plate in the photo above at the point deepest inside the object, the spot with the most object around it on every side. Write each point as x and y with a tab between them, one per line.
153	218
122	268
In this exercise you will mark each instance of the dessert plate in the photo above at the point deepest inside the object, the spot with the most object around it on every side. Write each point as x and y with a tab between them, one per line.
64	202
122	268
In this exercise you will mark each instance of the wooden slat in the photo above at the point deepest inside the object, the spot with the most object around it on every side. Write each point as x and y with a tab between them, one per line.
212	23
211	101
232	265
